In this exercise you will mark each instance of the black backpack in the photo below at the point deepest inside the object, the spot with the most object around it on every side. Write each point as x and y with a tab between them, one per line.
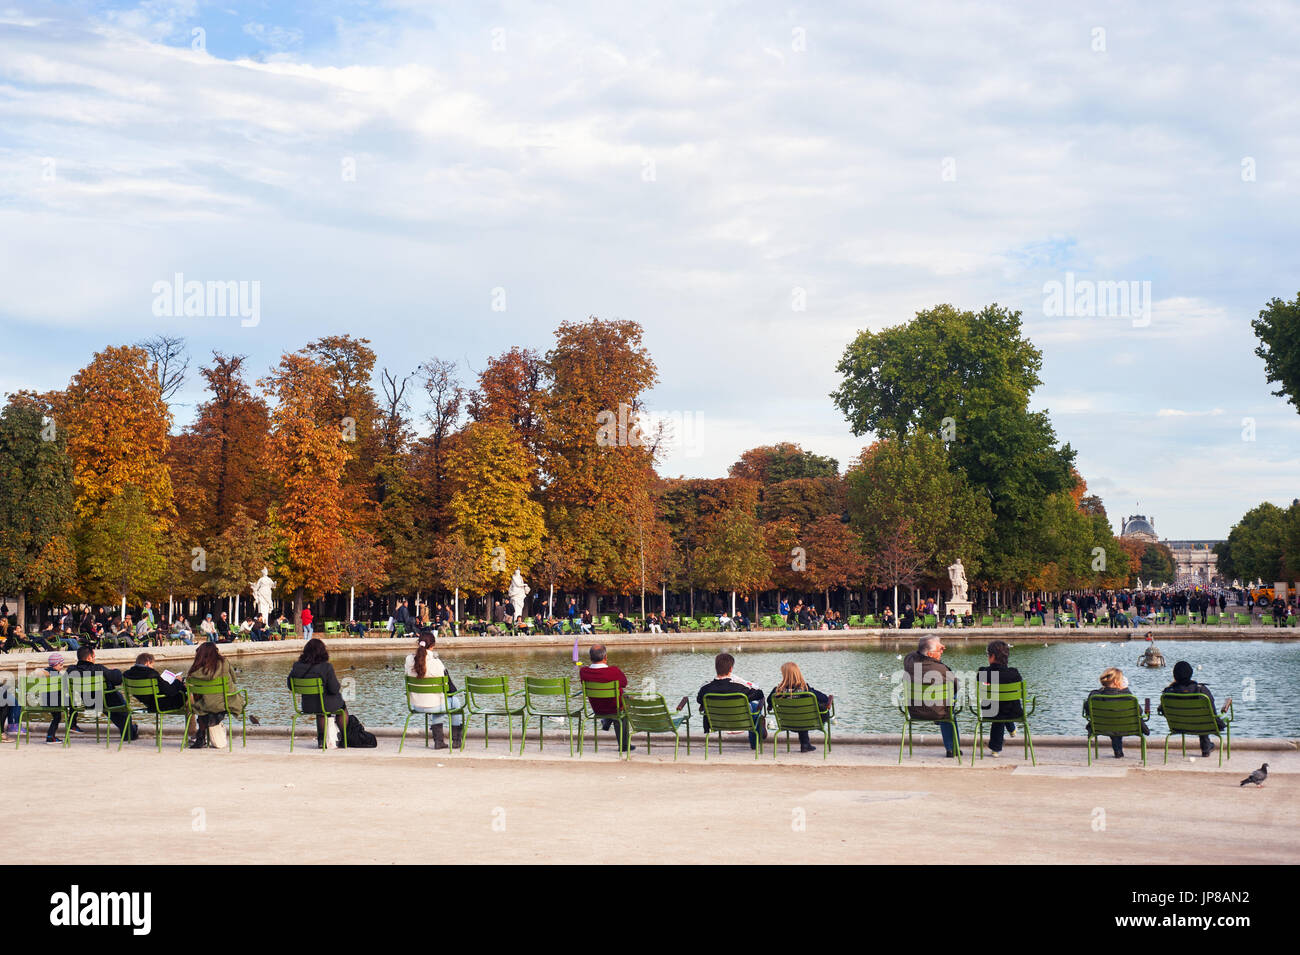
358	736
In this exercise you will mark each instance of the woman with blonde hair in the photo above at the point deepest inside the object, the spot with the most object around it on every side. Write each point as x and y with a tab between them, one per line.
792	681
1113	683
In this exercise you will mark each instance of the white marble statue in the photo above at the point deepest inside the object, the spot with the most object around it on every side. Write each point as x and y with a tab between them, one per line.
262	588
957	574
518	590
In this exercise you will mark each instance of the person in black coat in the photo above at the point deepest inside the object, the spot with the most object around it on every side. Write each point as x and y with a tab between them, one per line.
999	673
723	664
1183	683
314	665
112	695
171	694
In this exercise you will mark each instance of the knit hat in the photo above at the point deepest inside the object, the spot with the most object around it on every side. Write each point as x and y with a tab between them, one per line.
55	659
1182	672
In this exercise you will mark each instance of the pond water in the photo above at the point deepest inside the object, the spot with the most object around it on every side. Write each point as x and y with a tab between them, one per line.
1262	677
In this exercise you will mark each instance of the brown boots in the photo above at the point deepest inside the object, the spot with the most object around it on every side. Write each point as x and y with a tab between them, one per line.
439	741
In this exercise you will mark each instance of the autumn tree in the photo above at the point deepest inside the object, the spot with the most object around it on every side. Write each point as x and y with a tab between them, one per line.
117	430
492	507
432	454
785	461
598	467
455	564
835	556
307	459
36	495
511	391
219	461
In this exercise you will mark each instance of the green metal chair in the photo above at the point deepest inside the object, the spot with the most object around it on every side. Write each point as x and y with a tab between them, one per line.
1193	713
1213	620
1017	621
1182	620
44	695
800	712
222	687
731	712
648	713
312	686
931	621
1113	715
600	691
480	694
986	621
928	694
1266	620
990	695
428	686
549	698
144	693
88	697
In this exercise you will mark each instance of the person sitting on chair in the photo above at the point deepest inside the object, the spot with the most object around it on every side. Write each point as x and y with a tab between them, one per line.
314	664
625	624
600	671
211	708
172	694
112	696
1183	683
424	663
1113	683
998	673
725	682
925	669
792	682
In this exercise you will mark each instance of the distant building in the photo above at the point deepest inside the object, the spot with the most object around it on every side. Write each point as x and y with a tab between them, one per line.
1195	562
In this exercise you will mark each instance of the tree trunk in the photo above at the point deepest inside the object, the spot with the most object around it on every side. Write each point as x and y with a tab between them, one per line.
352	604
22	612
297	611
550	601
895	605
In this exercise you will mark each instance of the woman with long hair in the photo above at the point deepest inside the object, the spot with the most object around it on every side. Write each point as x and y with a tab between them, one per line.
792	681
211	708
1113	683
314	664
424	663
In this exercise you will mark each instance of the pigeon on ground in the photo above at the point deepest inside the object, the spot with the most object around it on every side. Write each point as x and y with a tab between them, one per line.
1257	777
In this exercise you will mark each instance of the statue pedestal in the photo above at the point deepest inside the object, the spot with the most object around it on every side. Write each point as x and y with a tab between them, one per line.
959	607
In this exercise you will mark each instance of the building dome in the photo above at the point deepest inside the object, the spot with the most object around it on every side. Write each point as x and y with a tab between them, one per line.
1138	526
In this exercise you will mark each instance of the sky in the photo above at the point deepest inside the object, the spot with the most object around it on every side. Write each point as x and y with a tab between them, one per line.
754	183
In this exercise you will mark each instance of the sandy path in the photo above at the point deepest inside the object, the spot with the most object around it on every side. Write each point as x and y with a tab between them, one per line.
264	806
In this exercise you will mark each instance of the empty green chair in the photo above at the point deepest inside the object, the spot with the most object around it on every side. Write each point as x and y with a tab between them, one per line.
928	694
648	713
1017	621
430	686
88	698
303	688
992	696
489	696
548	698
1193	713
1117	714
1266	619
46	696
600	691
223	688
930	622
731	712
800	712
149	702
986	621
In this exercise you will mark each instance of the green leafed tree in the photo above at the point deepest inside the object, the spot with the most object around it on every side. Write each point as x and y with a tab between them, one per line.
1278	331
908	478
36	497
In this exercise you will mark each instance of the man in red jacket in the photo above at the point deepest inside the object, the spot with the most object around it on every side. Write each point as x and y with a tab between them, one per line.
598	671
